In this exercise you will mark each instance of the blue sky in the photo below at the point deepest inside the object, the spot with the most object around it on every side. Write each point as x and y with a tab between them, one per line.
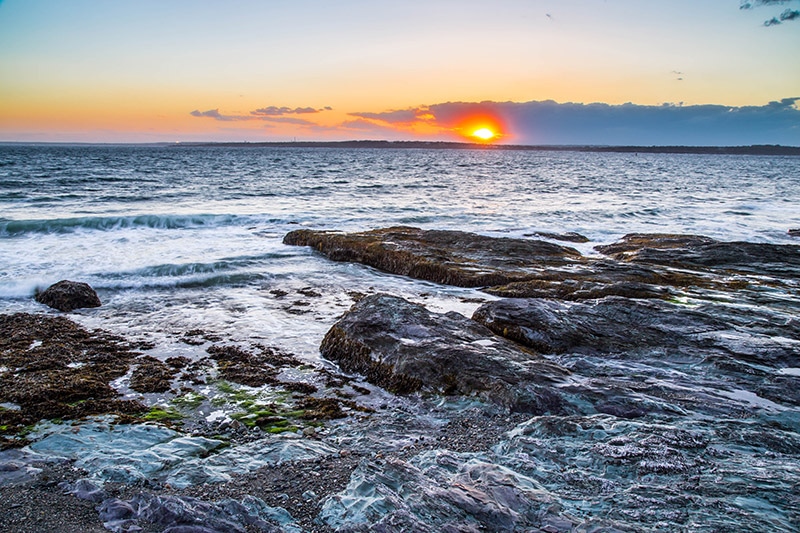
554	71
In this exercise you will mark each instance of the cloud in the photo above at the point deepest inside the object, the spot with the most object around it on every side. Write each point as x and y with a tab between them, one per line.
278	111
265	113
400	116
786	16
549	122
789	14
216	115
750	4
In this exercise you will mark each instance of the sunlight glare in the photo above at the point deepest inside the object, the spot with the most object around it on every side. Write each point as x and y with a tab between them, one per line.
483	133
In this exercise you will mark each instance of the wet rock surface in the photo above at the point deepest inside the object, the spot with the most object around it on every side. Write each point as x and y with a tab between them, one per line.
450	257
69	295
692	251
654	389
403	347
53	368
643	265
622	325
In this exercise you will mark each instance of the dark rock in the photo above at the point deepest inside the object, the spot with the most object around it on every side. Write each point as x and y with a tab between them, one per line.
692	251
403	347
665	241
610	325
623	326
450	257
578	290
516	268
68	295
569	236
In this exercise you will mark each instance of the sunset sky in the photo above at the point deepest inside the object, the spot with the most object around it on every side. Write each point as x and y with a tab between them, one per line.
530	71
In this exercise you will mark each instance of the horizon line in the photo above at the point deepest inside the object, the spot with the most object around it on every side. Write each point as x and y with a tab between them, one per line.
751	149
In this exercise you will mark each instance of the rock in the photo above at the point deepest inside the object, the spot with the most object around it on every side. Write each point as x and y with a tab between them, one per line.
696	252
450	257
665	241
443	491
68	295
569	236
403	347
621	325
516	268
611	324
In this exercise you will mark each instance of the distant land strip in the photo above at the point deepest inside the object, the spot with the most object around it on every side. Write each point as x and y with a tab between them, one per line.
755	149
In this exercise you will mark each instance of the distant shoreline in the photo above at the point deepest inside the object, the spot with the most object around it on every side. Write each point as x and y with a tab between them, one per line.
755	149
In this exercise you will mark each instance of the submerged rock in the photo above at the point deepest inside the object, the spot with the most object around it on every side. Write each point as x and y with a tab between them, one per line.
404	347
450	257
69	295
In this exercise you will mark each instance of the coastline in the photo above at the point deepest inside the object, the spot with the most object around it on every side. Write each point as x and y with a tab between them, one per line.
668	362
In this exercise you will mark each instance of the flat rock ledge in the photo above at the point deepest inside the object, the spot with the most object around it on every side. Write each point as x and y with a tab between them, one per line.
405	348
704	253
69	295
450	257
642	266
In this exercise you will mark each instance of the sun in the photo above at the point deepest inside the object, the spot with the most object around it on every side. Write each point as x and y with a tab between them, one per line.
484	134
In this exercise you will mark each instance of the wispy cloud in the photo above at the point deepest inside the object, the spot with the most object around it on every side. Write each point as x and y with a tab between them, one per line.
786	16
278	111
398	116
269	113
216	115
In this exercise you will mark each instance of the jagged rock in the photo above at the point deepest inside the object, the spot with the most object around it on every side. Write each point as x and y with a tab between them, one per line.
68	295
404	347
692	251
450	257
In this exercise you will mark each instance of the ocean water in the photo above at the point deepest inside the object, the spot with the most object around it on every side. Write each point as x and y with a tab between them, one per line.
177	238
181	238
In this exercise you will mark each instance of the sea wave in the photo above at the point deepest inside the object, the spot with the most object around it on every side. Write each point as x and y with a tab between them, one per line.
16	228
171	270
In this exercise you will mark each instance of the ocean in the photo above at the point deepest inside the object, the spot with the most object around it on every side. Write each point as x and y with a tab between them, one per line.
179	239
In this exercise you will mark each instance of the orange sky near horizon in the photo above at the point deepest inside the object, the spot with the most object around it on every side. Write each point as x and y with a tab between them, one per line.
134	72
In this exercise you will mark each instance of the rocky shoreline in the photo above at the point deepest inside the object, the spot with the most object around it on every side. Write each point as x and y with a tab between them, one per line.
649	369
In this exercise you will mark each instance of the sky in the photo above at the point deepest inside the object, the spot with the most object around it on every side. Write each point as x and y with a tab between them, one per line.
604	72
